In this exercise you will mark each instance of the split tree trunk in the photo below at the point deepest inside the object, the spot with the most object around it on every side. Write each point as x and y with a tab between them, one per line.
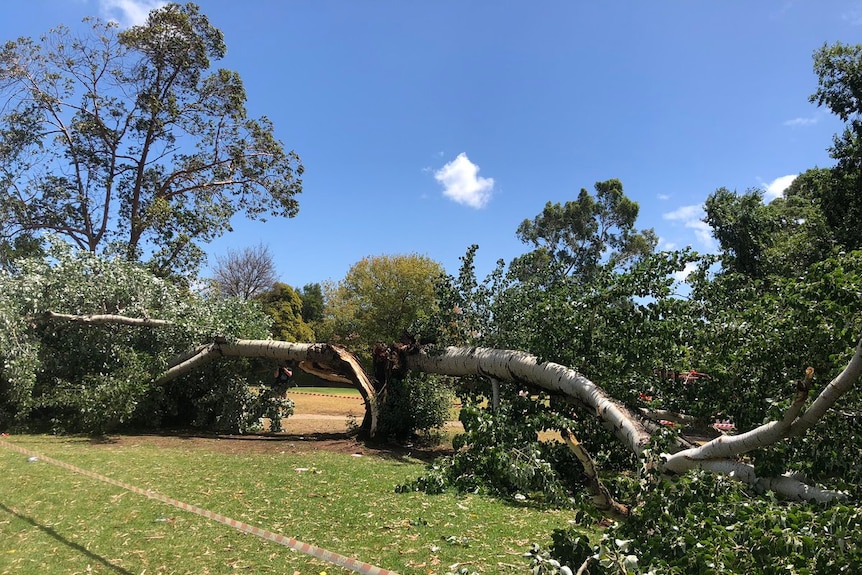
314	356
718	455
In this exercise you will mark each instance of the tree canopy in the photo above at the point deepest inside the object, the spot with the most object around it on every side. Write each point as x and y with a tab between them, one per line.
380	299
576	237
127	141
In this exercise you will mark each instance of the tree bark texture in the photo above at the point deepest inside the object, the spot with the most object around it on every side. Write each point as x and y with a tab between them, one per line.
718	455
320	355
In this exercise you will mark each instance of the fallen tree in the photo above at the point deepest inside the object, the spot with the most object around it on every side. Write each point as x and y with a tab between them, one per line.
721	455
323	360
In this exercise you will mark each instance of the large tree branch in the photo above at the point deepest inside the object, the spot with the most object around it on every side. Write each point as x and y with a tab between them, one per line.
602	498
109	319
718	455
518	366
336	358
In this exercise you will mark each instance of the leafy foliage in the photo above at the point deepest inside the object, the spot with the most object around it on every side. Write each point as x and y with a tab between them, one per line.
576	238
284	306
414	405
125	141
379	300
71	376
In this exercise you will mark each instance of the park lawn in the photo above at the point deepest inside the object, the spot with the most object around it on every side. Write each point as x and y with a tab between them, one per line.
55	521
346	391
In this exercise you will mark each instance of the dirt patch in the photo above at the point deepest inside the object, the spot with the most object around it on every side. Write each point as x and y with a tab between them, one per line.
320	423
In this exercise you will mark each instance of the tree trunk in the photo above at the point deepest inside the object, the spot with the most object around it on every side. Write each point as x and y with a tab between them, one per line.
318	355
718	455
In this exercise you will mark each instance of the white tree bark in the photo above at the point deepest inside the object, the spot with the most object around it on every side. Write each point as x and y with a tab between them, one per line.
518	366
110	319
718	455
336	358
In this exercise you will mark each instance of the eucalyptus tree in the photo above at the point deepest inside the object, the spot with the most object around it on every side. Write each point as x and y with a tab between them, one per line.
577	237
126	141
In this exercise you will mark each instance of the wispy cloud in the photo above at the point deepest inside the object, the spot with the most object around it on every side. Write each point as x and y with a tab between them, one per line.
799	122
853	16
462	183
777	186
663	197
129	12
692	218
664	244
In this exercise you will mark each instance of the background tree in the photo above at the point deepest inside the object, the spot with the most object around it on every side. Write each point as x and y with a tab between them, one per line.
379	300
284	305
125	140
839	72
574	238
744	227
312	303
245	274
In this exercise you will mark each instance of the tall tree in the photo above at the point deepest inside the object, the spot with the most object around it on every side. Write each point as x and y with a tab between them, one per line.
574	238
744	227
312	302
245	274
839	71
126	139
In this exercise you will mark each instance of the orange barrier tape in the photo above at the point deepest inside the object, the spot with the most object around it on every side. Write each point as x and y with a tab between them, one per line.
319	553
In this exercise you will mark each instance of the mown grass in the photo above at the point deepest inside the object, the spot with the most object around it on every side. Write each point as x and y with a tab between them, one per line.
348	391
56	521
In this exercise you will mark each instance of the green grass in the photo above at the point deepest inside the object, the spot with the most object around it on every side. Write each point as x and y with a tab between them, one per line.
56	521
327	390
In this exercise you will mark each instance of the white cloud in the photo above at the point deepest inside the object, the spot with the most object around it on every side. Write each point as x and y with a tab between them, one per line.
462	183
777	186
129	12
692	218
683	274
664	244
684	213
663	197
801	121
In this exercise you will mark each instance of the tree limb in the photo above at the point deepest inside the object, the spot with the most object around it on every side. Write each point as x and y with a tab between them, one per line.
602	498
334	357
109	319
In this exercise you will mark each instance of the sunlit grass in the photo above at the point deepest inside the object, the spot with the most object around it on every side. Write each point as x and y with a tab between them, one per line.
349	391
55	521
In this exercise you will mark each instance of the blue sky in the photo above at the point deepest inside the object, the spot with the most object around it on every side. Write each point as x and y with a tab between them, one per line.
428	126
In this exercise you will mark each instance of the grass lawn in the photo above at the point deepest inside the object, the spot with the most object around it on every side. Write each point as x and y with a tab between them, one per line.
56	521
345	391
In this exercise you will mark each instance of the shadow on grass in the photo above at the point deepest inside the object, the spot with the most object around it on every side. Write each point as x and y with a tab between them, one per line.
80	549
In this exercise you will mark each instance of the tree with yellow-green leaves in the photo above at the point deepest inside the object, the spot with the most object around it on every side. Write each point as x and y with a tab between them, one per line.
284	305
379	299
